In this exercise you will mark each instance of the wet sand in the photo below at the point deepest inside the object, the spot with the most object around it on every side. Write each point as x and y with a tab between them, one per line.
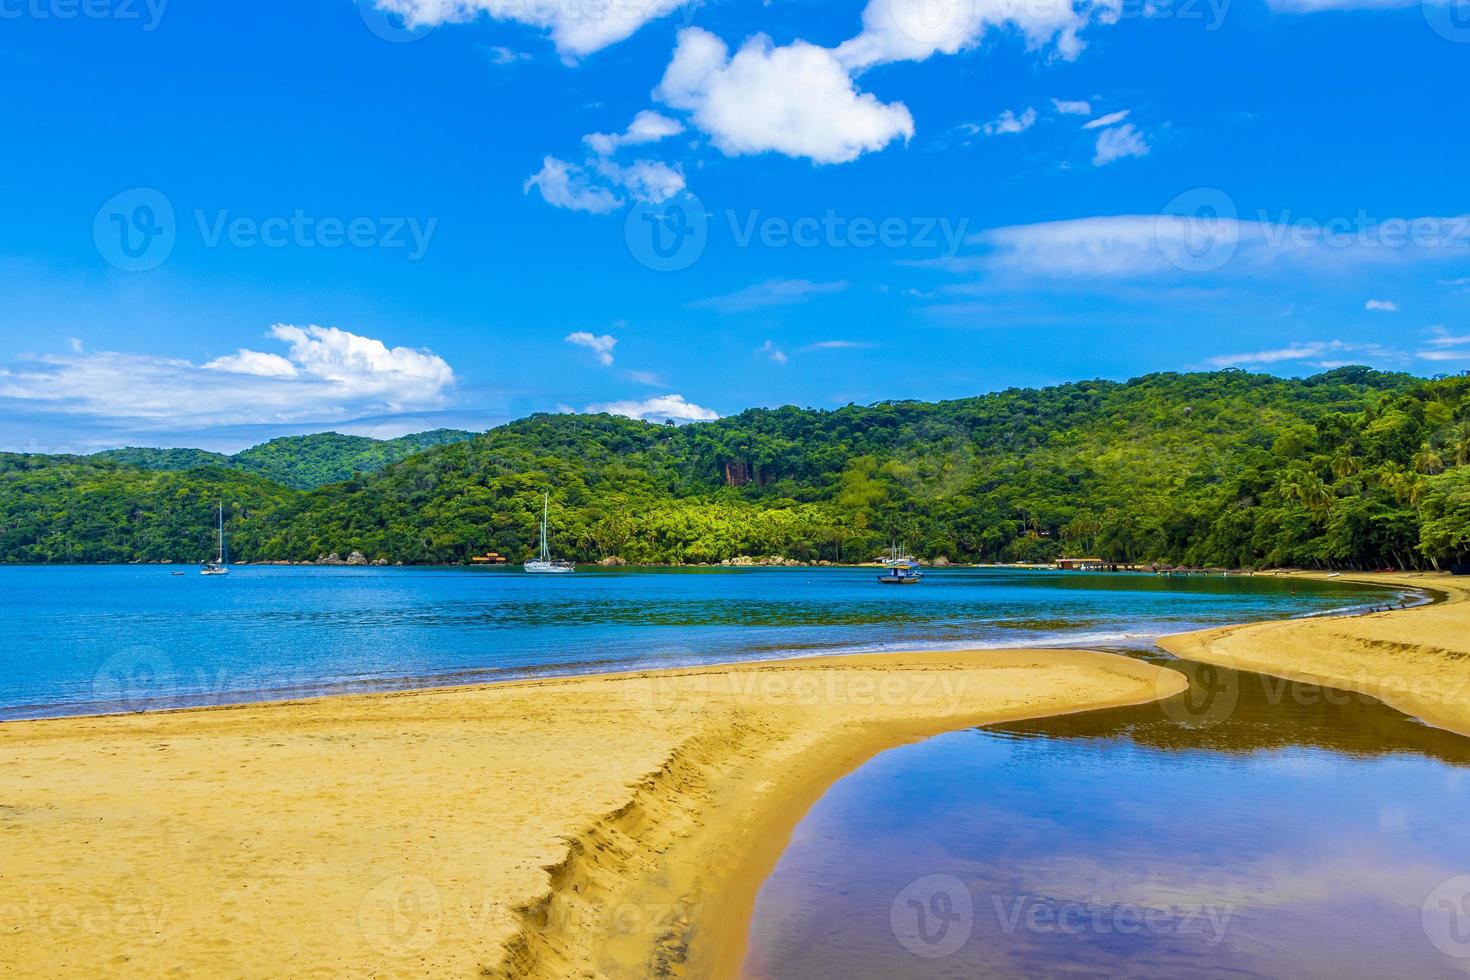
589	826
1416	659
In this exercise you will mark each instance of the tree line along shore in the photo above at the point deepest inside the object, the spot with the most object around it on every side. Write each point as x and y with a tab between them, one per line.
1353	468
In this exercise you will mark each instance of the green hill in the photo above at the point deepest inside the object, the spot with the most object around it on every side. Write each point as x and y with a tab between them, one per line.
300	462
1353	468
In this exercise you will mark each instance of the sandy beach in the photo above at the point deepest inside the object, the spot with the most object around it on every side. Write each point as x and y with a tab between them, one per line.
593	826
1417	659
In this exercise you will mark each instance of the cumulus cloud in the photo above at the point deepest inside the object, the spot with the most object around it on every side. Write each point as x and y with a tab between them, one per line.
798	100
576	28
326	374
1119	143
773	292
1381	306
914	30
600	345
1077	107
647	127
657	409
649	181
566	185
1008	122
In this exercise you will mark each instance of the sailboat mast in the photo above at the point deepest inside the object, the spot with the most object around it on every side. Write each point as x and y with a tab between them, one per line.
545	513
221	533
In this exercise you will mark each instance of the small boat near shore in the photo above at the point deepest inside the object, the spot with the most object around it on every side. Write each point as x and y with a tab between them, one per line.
902	573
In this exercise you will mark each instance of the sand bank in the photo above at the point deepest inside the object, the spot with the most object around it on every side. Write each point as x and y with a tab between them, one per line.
1417	660
613	826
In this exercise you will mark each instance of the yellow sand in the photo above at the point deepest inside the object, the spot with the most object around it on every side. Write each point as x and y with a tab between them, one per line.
596	826
1417	660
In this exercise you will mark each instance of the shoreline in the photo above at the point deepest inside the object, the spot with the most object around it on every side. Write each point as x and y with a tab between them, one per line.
611	823
1415	659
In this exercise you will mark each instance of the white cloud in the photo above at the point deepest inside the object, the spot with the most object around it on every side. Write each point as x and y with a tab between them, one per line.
1381	306
1108	120
576	28
1445	355
1118	144
602	346
1072	108
772	353
822	345
773	292
498	55
913	30
656	409
254	362
1132	246
798	100
649	181
646	378
1440	337
647	127
1009	122
1310	351
326	374
566	185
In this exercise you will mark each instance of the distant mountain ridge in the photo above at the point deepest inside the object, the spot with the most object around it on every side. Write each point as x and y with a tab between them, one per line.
298	462
1353	468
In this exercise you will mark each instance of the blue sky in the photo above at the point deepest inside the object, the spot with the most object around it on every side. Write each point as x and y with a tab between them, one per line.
225	222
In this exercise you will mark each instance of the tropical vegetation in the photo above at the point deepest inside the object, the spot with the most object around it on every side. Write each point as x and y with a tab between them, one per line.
1353	468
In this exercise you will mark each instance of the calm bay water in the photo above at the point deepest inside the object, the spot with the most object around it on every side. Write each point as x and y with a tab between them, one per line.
1251	828
105	639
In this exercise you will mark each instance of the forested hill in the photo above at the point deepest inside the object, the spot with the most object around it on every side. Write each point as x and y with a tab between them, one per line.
1349	468
299	462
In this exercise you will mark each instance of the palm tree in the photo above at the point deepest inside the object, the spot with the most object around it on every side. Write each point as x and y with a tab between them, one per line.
1305	487
1428	460
1345	464
1405	485
1459	441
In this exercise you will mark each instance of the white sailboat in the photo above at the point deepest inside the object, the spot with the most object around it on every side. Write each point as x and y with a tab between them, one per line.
218	566
543	564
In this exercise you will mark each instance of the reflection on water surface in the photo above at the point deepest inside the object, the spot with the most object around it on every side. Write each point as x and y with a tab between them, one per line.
1251	828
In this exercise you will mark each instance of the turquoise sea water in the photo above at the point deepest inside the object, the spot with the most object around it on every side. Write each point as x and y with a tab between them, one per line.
107	639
